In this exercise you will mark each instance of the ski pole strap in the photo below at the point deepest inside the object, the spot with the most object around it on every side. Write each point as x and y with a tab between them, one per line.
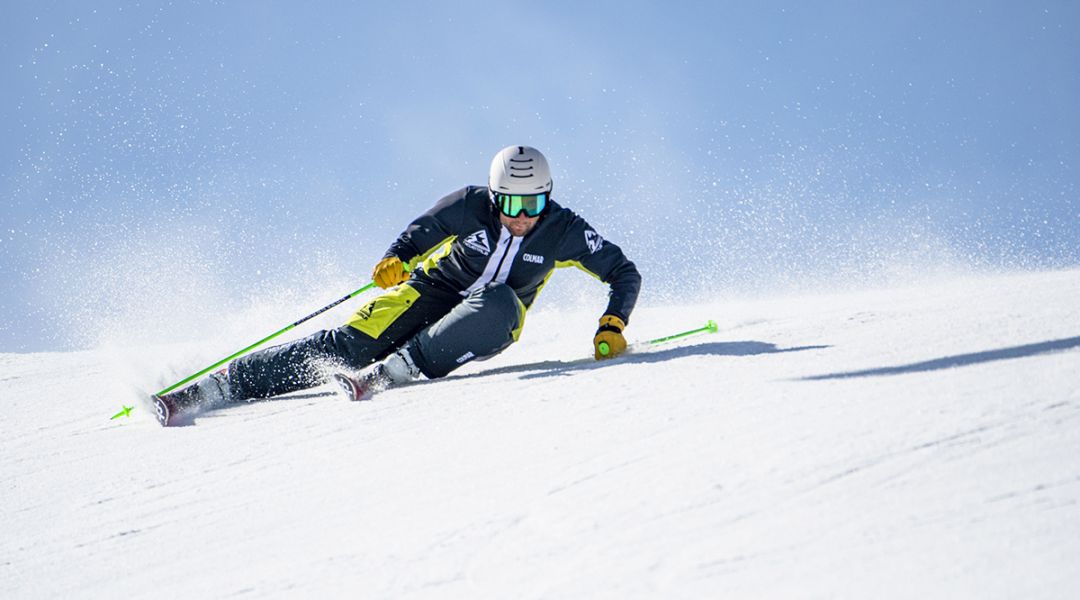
264	340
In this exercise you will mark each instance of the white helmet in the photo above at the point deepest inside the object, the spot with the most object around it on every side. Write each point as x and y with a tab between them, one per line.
521	170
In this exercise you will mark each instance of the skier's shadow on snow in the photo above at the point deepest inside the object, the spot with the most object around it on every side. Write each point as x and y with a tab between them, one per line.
553	368
957	360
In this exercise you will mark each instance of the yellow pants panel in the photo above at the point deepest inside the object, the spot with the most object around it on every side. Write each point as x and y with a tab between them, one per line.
375	316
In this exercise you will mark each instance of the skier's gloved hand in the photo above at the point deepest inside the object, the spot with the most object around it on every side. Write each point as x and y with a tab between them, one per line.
389	272
609	341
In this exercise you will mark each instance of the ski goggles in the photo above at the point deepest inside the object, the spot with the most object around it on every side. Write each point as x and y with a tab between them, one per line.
512	205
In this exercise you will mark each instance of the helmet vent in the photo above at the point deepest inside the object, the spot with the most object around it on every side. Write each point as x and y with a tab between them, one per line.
520	170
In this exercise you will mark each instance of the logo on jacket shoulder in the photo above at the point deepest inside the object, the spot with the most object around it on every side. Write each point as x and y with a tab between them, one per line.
593	240
478	240
532	258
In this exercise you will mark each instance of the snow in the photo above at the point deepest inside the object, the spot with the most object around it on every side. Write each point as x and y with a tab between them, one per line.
914	441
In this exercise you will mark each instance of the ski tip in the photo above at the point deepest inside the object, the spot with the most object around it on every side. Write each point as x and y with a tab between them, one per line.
162	411
353	390
712	326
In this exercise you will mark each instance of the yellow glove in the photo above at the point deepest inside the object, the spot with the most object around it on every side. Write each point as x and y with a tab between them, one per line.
389	272
609	341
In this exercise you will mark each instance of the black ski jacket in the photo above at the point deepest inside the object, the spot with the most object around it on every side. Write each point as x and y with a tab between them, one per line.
461	245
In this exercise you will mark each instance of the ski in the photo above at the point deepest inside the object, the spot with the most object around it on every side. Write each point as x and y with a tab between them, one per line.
355	390
170	408
164	410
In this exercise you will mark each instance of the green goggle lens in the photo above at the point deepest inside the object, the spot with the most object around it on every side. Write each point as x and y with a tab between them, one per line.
513	205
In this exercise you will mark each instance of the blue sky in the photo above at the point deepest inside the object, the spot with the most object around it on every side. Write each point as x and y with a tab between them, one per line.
153	151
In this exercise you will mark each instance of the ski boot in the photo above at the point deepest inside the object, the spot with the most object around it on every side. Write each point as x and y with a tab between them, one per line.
393	370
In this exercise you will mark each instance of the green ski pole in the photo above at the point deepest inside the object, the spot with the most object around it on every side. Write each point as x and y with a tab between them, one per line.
264	340
710	327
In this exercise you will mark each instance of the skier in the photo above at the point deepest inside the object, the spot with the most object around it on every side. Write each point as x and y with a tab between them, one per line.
459	280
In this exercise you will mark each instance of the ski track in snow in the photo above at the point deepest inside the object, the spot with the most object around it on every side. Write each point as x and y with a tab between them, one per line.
922	441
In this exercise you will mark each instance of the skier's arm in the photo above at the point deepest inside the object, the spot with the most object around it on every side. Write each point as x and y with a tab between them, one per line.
622	277
605	261
430	230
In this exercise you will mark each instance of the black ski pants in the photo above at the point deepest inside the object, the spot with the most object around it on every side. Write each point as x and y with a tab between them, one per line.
441	330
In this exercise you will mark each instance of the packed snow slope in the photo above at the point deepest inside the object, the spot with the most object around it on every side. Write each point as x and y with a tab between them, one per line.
920	441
